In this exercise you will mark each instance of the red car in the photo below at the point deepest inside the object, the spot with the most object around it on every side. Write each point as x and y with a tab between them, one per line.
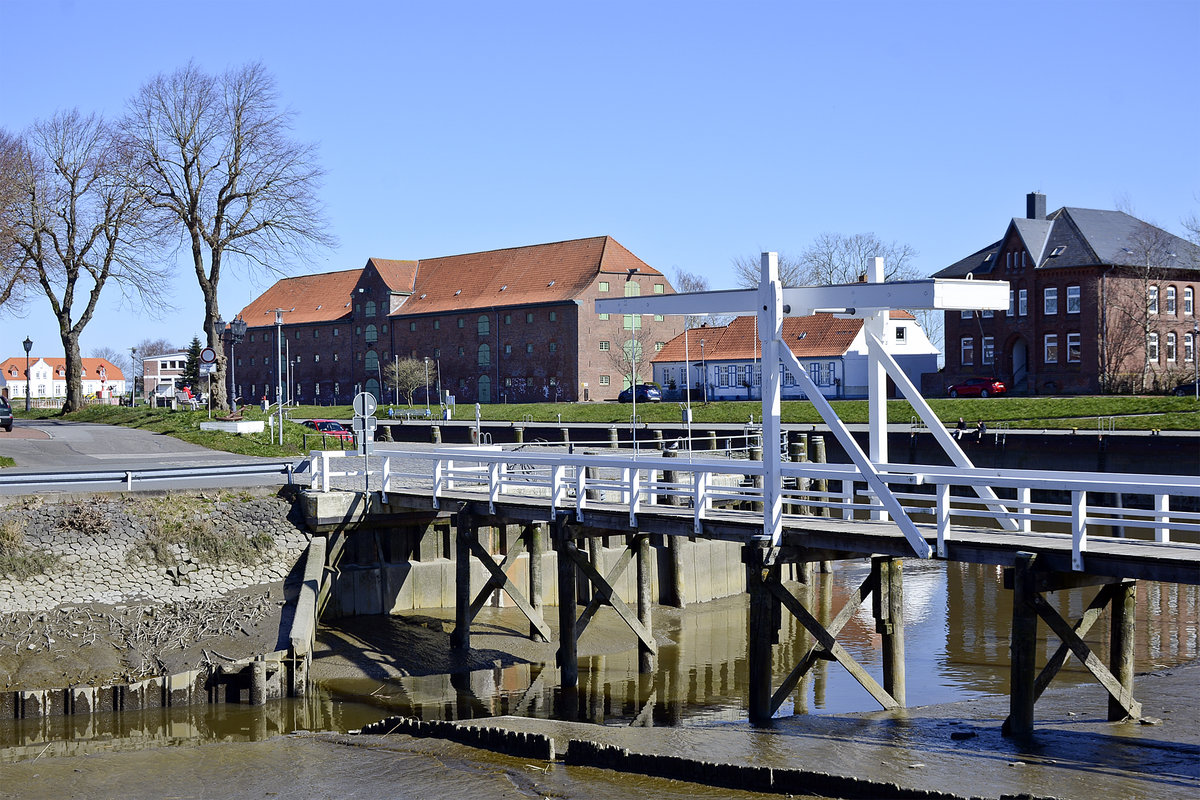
330	427
977	387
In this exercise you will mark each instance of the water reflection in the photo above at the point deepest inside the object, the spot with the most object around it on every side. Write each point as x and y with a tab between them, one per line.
957	636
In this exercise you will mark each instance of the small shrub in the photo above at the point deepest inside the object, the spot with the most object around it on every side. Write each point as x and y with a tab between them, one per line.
178	523
18	560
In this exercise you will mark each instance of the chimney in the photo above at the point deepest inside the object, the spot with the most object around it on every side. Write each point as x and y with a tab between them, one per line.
1035	205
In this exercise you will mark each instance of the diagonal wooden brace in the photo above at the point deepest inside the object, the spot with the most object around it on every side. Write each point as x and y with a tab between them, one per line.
1085	655
500	580
830	645
614	575
604	588
1081	628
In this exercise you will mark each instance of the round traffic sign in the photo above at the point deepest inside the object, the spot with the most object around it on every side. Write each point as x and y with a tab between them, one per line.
364	404
208	356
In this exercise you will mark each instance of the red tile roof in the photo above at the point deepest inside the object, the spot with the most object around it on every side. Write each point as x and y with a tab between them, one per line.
91	368
398	275
542	273
315	298
820	336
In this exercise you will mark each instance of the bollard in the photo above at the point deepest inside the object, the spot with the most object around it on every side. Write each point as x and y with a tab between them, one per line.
798	451
435	434
566	435
519	435
658	439
613	441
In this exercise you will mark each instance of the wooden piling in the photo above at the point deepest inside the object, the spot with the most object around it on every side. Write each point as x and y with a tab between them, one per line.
889	621
1121	645
460	638
1022	692
762	631
644	571
798	452
536	545
435	434
519	434
818	457
613	438
568	652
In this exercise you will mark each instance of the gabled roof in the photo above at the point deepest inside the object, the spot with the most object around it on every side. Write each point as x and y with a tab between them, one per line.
821	335
91	368
398	275
315	298
1085	237
541	273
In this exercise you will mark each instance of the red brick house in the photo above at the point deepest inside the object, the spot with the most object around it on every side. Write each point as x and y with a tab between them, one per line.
1099	301
511	325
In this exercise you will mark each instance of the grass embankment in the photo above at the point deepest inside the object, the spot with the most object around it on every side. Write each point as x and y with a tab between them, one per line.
1037	413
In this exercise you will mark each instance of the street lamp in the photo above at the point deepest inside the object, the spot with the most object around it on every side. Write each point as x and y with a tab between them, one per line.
703	372
28	345
279	312
427	411
237	331
133	373
1196	357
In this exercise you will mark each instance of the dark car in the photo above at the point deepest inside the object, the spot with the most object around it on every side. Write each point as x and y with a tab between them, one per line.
6	417
646	393
977	387
1185	389
330	427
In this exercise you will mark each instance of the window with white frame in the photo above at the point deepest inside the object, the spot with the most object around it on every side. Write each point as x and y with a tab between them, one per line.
604	380
1022	302
1171	346
1072	299
722	377
1050	348
989	349
814	372
901	333
1189	347
788	378
1050	300
604	346
1152	299
965	314
1187	301
1074	348
1170	299
1152	346
1012	299
967	351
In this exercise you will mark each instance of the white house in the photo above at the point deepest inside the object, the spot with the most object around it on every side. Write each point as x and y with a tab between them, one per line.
161	374
726	360
48	378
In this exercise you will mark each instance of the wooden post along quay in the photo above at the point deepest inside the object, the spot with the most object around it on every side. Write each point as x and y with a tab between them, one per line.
652	502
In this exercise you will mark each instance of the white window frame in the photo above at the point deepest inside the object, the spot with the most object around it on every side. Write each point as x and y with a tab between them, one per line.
1022	302
1073	299
1074	348
1189	347
1050	301
1171	343
966	351
1151	299
1188	301
1171	300
989	350
1152	347
1050	347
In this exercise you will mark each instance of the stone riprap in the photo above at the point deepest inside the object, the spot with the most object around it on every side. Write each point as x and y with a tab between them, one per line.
100	547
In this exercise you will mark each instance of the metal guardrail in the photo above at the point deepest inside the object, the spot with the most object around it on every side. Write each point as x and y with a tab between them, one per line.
146	478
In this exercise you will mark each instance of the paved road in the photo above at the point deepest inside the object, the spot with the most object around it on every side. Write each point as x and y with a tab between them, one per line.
61	447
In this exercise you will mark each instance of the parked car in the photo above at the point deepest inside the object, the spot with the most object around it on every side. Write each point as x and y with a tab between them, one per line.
977	387
1185	389
6	415
646	393
330	427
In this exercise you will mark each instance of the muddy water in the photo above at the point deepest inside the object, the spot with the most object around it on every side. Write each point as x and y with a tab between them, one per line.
957	632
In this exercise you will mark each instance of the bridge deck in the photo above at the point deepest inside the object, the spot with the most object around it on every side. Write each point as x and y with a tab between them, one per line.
811	538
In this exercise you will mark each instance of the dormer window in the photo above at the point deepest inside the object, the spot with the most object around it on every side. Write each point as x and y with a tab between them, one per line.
457	292
505	286
1058	251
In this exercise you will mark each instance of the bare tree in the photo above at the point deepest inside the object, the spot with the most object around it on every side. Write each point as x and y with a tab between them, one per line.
221	167
685	281
406	376
632	353
16	275
748	269
834	258
80	226
148	348
1128	326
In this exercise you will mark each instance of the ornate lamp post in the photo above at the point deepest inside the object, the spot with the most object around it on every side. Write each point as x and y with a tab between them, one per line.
28	345
237	330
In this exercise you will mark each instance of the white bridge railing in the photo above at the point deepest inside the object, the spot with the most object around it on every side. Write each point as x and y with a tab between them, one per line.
1074	504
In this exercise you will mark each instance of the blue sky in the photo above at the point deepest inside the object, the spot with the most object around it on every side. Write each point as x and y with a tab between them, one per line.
691	132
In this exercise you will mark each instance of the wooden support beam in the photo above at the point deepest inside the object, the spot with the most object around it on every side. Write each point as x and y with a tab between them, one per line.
1121	694
500	580
1023	649
831	646
889	621
466	530
614	574
1121	645
1081	627
759	578
644	603
817	652
605	590
568	652
537	546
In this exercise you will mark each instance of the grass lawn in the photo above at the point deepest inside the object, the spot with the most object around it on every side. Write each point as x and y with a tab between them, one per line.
1063	413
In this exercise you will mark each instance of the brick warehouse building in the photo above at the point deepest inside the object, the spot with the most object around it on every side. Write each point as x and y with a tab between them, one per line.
1099	301
513	325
